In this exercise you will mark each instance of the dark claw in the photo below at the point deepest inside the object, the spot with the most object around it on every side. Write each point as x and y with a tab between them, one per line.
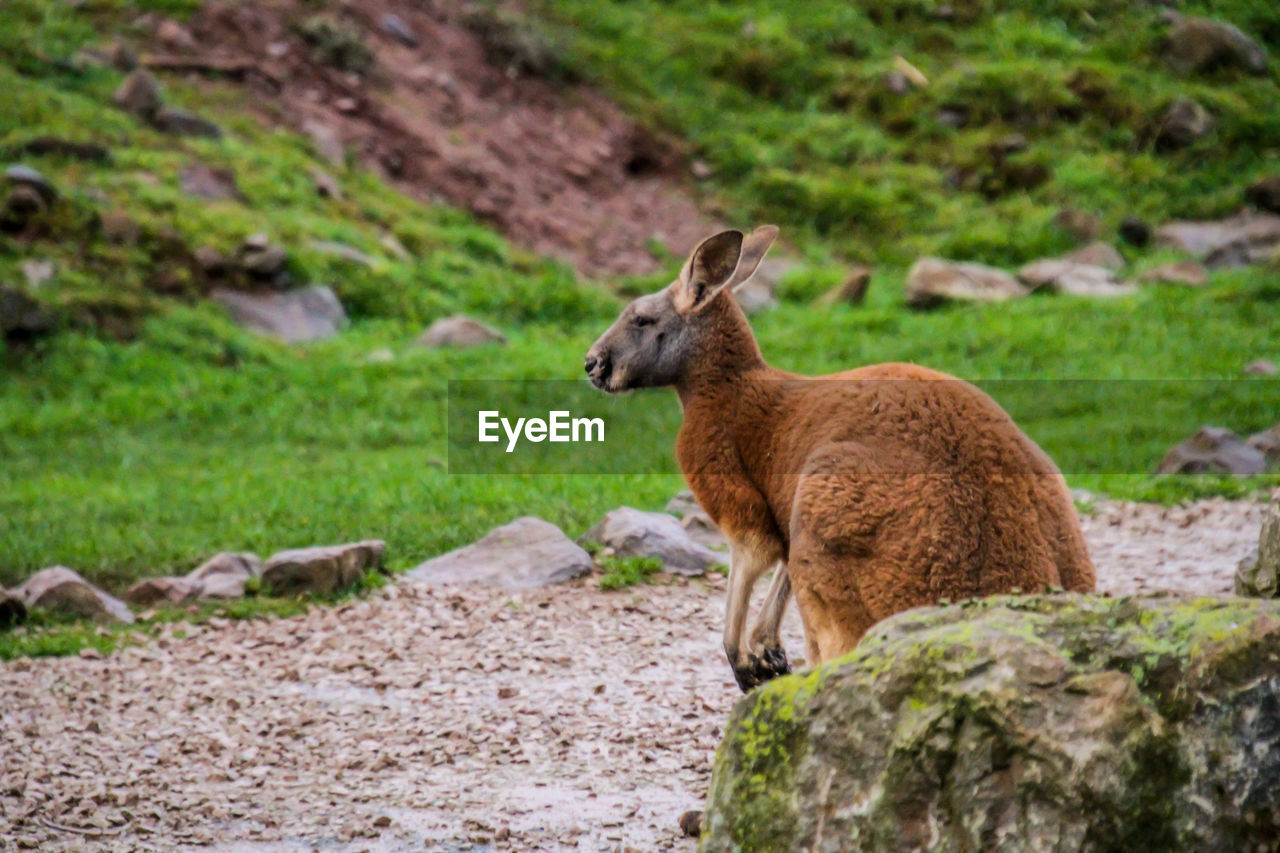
756	671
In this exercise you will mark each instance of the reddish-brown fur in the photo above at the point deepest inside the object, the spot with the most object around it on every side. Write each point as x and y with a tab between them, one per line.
886	487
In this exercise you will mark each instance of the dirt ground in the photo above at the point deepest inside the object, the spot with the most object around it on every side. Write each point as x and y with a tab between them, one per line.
556	166
439	718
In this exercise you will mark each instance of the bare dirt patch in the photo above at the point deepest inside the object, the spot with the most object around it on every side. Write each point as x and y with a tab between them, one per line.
439	718
556	166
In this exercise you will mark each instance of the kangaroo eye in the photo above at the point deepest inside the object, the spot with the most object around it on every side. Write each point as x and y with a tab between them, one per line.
639	321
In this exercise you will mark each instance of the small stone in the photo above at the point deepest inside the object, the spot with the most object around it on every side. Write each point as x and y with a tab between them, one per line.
174	36
896	83
913	75
162	590
1187	273
184	123
213	183
326	185
635	533
139	94
326	142
1267	441
211	261
382	821
118	228
528	552
346	105
304	314
852	292
1183	123
19	175
63	590
321	569
343	251
1197	45
1213	450
1261	367
37	272
1077	279
394	25
700	169
459	331
508	692
1098	254
120	56
261	258
932	281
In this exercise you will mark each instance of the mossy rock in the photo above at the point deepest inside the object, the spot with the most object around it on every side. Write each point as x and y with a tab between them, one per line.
1047	723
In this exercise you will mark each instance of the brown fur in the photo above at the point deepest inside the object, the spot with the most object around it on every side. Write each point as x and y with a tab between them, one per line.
884	488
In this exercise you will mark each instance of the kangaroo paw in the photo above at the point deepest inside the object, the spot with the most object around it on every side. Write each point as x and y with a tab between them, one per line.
758	670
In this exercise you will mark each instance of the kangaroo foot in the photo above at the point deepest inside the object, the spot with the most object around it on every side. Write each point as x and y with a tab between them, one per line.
757	670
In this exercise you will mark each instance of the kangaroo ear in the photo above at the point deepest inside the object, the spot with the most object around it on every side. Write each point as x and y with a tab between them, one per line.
708	270
754	248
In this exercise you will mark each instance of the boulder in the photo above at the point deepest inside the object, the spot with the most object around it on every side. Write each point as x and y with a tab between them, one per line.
528	552
1024	724
139	94
321	569
12	609
1264	193
1268	442
224	575
634	533
1238	240
63	590
932	281
1200	44
178	122
852	292
149	592
1097	254
459	331
213	183
1189	273
305	314
1258	575
1182	123
695	520
1213	450
1261	367
1063	276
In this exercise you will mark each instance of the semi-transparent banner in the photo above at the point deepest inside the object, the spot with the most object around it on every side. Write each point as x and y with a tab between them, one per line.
1086	426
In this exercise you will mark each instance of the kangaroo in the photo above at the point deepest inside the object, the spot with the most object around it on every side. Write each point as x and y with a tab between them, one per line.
873	490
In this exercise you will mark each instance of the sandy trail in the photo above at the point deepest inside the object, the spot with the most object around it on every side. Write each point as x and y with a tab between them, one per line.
439	718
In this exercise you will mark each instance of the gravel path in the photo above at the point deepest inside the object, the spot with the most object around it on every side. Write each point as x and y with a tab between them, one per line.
438	718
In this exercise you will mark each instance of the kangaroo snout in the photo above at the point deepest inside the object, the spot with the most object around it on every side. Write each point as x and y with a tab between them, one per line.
598	367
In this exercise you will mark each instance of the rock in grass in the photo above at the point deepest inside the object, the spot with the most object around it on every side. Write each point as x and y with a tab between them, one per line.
1182	123
695	520
1030	723
1235	241
1077	279
178	122
1258	575
852	292
12	609
932	281
304	314
528	552
1197	45
62	590
149	592
1264	193
212	183
393	25
1135	231
224	575
461	332
1261	367
1187	273
1213	450
139	94
19	175
321	569
635	533
1098	254
1267	441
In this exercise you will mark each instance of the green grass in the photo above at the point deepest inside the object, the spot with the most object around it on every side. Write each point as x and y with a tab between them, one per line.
622	572
125	458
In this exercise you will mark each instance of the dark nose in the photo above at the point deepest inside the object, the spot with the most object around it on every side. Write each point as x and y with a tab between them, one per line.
590	363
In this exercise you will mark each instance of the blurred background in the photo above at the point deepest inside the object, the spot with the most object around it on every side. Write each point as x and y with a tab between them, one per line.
245	246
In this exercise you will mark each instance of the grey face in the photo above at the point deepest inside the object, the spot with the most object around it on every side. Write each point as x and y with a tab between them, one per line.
646	347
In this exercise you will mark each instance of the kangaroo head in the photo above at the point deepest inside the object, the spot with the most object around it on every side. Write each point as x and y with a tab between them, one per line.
655	337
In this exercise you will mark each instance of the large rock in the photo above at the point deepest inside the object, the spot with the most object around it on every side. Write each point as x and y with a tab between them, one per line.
63	590
1242	239
695	520
162	590
305	314
322	569
1059	723
932	281
1258	575
459	331
1199	44
1213	450
1077	279
528	552
635	533
12	609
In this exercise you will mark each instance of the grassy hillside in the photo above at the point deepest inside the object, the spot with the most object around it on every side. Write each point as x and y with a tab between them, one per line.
189	436
787	103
